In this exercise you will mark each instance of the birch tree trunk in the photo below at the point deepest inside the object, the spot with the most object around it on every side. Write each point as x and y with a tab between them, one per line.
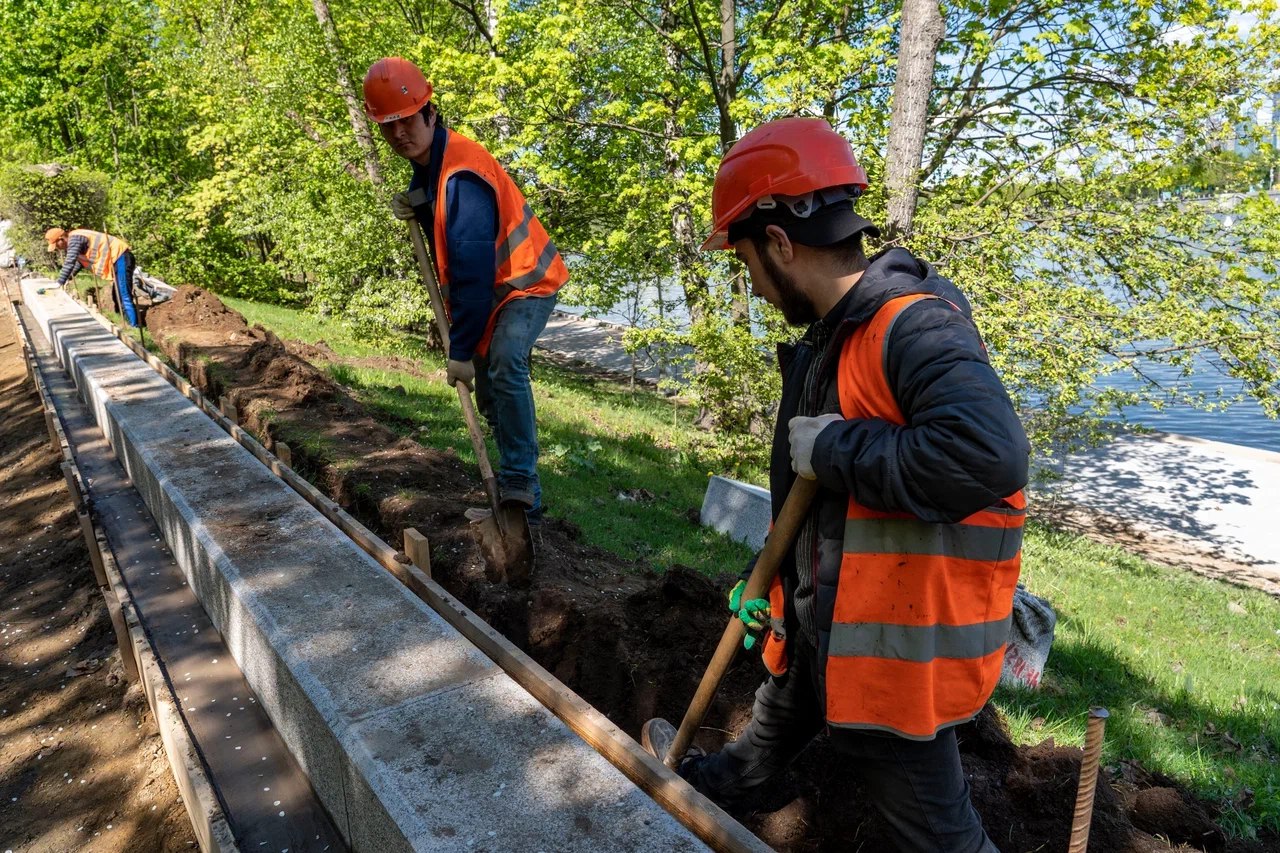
922	30
359	126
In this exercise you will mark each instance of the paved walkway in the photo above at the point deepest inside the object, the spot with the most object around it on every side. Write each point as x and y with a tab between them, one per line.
599	344
1212	506
1182	499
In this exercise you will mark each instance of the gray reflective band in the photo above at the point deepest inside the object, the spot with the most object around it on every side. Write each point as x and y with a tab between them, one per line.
517	236
912	536
873	727
535	275
918	643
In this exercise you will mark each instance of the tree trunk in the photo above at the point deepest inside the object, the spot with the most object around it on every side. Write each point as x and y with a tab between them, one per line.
727	91
693	286
358	124
921	31
502	121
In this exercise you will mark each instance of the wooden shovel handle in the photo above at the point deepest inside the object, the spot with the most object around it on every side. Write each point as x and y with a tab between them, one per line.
794	511
464	396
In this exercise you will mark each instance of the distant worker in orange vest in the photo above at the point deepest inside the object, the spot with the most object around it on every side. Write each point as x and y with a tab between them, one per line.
888	622
498	268
108	257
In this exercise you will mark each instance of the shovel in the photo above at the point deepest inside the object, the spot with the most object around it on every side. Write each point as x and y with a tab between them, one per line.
503	537
793	513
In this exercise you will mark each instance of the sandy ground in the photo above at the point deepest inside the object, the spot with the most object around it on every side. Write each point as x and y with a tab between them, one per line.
81	764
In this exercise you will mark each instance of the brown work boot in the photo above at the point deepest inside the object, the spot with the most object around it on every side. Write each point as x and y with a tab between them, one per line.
657	735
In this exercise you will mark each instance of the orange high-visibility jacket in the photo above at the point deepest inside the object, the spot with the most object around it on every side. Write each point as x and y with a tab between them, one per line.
528	262
102	253
922	609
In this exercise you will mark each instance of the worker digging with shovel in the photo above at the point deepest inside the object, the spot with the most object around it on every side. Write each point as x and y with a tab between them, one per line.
898	545
494	274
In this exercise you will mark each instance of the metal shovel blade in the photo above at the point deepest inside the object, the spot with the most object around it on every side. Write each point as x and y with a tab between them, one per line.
506	546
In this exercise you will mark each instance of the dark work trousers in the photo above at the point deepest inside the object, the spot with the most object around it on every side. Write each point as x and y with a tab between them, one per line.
919	786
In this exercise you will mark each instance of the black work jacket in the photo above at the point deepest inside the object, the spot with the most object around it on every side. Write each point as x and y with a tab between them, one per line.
962	448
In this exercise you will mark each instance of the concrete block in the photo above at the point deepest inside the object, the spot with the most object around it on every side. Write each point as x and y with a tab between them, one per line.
403	726
738	510
502	754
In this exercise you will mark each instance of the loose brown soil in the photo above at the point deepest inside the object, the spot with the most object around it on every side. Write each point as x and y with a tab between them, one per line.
81	765
630	641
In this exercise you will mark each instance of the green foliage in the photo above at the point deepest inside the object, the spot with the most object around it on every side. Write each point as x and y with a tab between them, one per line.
37	198
1053	129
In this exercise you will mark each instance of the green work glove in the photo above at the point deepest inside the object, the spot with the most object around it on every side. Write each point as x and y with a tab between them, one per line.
755	615
735	596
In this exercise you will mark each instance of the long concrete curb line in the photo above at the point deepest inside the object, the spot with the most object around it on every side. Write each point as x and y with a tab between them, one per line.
357	754
203	810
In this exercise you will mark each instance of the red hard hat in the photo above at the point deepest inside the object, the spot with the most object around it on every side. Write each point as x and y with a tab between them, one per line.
394	88
787	157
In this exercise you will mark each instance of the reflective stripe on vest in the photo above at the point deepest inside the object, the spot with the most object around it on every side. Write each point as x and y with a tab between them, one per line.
100	256
528	263
923	609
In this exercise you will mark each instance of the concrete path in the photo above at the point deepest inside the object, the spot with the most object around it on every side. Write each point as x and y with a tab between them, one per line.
1178	499
597	344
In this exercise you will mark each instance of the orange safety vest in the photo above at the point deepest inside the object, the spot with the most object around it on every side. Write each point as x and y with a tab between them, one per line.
102	253
528	262
923	609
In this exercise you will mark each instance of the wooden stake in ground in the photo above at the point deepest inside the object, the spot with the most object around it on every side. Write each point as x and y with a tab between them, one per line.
418	549
1088	780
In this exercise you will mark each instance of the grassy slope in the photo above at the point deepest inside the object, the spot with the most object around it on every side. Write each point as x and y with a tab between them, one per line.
1188	667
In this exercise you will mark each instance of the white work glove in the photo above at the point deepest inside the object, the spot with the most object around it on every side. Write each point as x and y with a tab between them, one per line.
803	433
461	371
400	206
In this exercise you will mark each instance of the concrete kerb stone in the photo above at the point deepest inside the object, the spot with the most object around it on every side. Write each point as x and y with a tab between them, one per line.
375	693
739	510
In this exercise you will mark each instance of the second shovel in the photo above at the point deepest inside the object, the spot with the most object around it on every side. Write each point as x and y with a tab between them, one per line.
503	535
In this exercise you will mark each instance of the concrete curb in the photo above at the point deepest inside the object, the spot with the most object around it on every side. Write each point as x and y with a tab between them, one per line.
412	738
741	511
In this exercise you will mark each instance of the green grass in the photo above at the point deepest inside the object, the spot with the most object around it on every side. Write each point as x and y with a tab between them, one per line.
340	335
597	442
1188	667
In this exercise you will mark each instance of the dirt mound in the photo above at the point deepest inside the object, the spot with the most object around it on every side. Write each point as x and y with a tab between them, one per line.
200	314
630	641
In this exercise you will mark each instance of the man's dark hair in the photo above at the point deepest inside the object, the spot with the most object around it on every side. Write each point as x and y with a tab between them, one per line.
426	112
845	255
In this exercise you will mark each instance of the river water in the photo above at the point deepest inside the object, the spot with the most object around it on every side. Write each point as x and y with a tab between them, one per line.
1242	423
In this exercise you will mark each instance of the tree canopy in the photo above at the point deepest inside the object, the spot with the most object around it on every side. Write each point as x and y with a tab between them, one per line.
236	158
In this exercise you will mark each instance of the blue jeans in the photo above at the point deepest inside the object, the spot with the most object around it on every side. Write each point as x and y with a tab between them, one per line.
505	398
124	288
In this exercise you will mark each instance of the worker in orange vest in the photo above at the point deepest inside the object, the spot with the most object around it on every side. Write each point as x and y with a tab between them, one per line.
888	621
107	256
497	265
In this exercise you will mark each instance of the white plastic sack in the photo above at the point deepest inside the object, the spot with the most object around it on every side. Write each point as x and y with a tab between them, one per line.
1030	638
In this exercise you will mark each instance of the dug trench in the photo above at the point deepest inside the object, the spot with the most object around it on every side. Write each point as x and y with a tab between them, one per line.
629	640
